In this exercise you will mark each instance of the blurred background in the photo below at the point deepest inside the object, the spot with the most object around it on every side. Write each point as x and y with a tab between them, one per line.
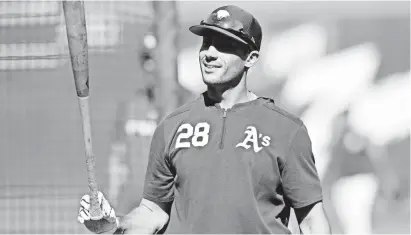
343	67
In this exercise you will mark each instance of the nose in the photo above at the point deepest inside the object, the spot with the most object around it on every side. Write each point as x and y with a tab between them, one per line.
211	53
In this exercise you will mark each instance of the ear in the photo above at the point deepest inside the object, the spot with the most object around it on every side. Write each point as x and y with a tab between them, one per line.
252	59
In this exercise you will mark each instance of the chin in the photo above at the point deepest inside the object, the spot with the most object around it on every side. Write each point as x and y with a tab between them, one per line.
211	78
212	81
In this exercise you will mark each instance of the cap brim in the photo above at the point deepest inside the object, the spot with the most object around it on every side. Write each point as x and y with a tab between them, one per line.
206	30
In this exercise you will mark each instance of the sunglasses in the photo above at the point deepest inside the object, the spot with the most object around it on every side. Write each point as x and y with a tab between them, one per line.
233	26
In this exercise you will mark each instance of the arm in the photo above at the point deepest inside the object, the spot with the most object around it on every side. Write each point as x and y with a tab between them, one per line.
147	218
312	219
153	213
302	186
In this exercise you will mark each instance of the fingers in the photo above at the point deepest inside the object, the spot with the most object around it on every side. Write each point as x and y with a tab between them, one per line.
83	215
85	202
107	210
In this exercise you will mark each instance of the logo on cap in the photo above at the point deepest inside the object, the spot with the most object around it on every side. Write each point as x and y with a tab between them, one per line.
221	14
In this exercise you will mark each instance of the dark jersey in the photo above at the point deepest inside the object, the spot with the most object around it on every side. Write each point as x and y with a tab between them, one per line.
232	171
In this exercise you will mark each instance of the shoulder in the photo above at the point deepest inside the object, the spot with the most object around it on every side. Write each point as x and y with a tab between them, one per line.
278	122
179	114
167	126
279	113
182	110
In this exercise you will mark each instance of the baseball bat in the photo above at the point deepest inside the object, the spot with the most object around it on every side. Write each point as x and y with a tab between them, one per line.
77	42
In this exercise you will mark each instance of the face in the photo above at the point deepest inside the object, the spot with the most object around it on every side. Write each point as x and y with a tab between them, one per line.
223	59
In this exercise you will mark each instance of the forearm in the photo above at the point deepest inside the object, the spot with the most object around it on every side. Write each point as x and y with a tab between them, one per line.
315	222
315	226
147	218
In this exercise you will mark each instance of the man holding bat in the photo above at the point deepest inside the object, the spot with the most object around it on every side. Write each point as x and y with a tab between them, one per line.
231	161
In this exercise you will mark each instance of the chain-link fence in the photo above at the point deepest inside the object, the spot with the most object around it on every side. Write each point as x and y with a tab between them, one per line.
42	157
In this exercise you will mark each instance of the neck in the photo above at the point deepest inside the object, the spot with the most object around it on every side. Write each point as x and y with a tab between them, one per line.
228	96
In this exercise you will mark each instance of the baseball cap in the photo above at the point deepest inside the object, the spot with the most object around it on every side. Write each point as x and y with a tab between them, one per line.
233	22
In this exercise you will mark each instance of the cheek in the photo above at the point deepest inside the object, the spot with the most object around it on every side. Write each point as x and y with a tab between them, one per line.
235	66
201	56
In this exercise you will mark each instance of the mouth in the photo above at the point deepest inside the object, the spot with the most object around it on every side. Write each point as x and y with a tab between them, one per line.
210	67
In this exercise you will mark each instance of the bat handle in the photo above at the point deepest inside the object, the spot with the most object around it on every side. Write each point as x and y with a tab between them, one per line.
95	209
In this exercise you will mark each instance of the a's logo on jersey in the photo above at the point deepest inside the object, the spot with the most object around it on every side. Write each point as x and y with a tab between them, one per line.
253	138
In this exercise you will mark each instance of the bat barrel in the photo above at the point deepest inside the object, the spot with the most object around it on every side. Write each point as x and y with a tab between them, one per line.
77	43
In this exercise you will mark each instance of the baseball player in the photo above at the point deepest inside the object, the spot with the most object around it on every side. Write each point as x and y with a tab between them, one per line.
232	162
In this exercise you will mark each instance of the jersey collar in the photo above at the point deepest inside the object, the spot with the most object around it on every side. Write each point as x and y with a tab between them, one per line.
258	101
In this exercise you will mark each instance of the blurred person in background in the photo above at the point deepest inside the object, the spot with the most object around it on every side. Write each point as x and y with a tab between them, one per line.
349	182
391	207
231	161
365	186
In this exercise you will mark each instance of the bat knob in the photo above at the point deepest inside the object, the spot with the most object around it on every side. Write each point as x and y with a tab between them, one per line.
99	226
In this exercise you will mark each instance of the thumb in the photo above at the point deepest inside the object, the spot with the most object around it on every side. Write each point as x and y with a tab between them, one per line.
100	197
106	208
102	200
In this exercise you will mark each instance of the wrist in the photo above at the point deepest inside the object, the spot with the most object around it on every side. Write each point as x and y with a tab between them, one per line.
117	222
118	228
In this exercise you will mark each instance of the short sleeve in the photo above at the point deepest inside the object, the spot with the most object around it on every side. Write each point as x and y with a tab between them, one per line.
301	183
159	179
